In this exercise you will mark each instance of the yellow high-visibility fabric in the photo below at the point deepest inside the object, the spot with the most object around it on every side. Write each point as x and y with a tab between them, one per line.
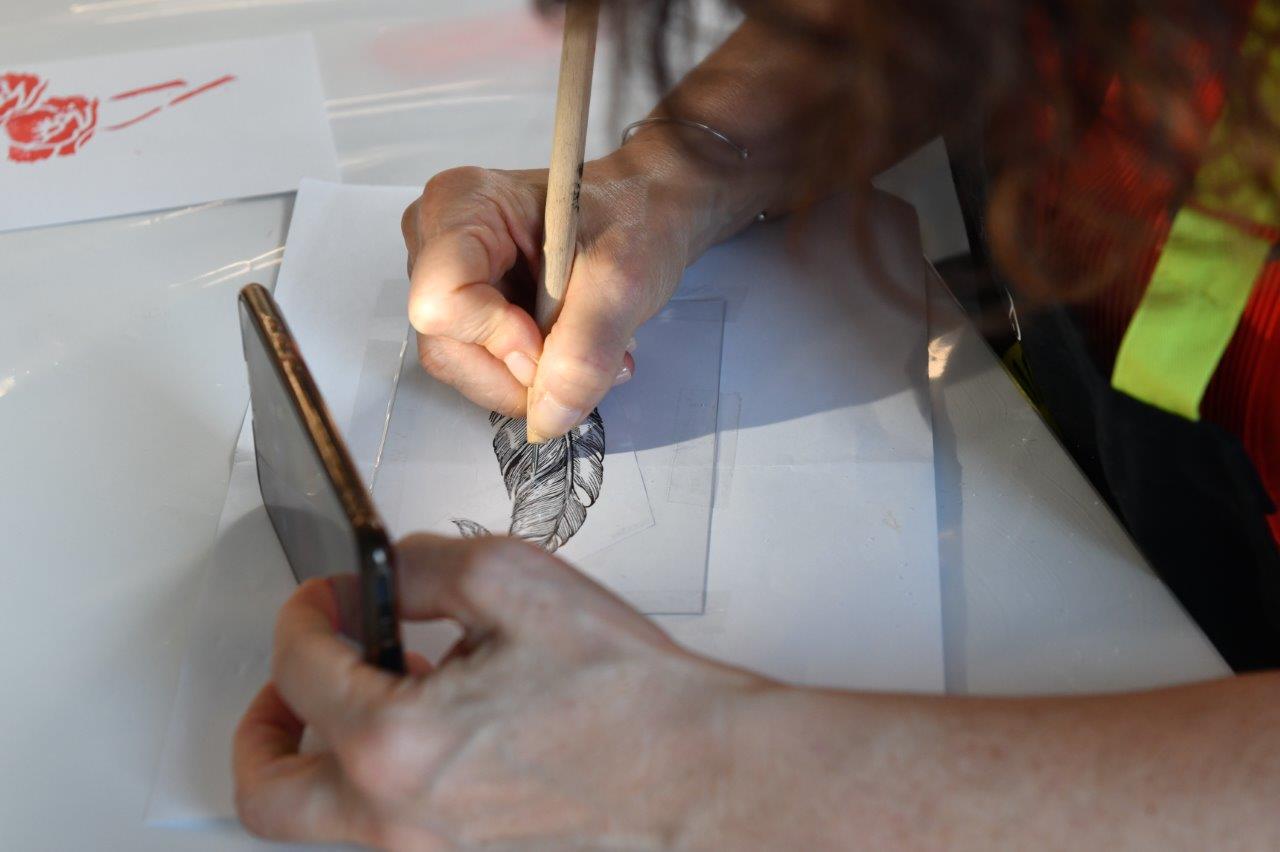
1207	268
1196	297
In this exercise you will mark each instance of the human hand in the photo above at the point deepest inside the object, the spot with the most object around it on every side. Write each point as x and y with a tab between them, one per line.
564	719
474	242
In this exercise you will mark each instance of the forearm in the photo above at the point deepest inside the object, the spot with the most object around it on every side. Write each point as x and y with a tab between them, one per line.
789	100
765	92
1191	766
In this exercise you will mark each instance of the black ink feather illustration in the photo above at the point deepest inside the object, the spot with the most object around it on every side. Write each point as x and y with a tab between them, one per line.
551	485
469	529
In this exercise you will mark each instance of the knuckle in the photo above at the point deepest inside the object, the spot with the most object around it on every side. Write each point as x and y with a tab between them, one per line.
577	378
497	553
430	314
459	178
409	221
476	313
285	658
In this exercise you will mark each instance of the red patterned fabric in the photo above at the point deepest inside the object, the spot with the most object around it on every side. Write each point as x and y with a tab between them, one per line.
1111	170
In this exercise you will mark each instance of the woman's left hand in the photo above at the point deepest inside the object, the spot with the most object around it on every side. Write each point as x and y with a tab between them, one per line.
564	719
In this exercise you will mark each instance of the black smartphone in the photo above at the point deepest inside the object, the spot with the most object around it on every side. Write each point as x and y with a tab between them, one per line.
320	509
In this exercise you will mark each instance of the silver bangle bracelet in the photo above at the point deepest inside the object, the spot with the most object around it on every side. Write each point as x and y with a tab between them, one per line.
741	150
683	122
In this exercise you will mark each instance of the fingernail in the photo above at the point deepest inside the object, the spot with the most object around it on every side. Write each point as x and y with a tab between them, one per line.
522	367
624	375
553	418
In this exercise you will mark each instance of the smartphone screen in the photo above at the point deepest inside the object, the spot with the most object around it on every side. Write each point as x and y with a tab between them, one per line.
314	527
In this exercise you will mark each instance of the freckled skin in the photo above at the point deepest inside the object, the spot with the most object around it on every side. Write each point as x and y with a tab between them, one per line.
565	720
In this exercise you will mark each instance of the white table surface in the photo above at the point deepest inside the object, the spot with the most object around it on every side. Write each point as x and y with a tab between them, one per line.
121	390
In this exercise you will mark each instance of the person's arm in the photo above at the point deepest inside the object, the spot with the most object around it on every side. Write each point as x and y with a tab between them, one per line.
648	210
567	720
1188	767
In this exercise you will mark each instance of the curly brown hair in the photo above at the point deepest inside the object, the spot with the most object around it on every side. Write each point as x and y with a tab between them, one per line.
1041	76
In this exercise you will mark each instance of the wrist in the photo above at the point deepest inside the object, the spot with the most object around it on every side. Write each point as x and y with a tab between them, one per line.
772	771
817	769
707	189
762	798
698	755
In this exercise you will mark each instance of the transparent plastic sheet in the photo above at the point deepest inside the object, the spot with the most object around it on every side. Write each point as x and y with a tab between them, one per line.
346	311
344	304
823	539
248	578
388	342
646	535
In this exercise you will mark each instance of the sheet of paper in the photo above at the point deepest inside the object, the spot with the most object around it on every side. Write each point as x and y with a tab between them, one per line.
823	468
646	536
127	133
825	473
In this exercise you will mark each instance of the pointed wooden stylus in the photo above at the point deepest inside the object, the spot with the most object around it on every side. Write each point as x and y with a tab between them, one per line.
564	178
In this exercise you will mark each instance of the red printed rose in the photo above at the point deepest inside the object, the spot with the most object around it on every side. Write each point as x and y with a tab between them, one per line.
60	125
39	129
18	92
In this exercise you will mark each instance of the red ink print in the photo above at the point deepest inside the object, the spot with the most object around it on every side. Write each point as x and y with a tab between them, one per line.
179	99
58	125
18	92
122	125
221	81
146	90
39	129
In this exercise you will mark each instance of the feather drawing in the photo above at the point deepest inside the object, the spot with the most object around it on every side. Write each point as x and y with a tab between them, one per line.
469	529
551	485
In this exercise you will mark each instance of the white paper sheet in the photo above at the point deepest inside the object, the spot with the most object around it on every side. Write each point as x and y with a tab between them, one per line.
127	133
824	478
825	473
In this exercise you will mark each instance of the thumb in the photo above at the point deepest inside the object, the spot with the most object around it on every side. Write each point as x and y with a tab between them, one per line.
583	355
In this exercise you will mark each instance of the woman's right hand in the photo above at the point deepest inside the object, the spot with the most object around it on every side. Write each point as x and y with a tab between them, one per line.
474	239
